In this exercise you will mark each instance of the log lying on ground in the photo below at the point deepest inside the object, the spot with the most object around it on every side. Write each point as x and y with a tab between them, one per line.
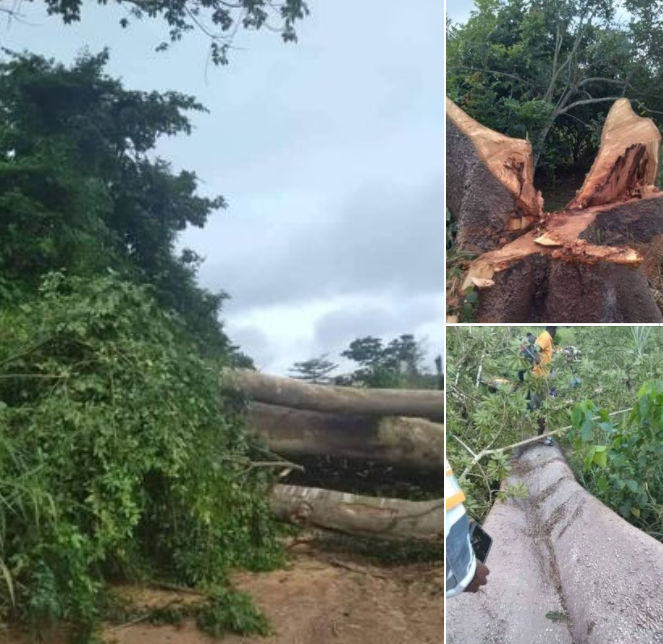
408	442
561	550
364	516
490	182
344	400
582	264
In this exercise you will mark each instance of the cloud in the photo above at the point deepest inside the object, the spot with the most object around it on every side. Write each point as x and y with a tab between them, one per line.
385	239
278	335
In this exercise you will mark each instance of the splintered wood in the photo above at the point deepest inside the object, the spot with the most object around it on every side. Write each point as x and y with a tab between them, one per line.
626	166
617	208
508	159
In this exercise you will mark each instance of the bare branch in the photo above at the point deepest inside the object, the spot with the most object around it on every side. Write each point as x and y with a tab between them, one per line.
602	79
494	72
527	441
586	102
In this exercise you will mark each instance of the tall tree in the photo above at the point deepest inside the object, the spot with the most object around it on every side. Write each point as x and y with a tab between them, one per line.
394	365
315	370
548	70
81	189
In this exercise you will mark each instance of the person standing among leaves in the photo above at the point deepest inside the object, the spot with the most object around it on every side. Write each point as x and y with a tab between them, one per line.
540	369
465	573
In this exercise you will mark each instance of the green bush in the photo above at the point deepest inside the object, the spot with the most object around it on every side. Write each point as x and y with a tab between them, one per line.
119	457
622	463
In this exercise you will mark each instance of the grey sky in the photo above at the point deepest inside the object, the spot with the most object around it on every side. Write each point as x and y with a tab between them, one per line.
459	10
329	153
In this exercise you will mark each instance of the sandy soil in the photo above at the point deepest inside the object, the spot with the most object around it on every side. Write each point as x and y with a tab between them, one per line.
324	598
321	598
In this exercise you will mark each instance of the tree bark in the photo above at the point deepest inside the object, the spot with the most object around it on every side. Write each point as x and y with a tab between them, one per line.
365	516
343	400
490	187
583	264
407	442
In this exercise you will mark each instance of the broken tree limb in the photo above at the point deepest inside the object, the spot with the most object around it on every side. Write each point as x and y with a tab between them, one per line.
408	442
528	441
344	400
583	264
490	182
626	166
364	516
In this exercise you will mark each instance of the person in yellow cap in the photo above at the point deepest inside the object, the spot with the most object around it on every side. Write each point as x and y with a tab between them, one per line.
541	369
464	572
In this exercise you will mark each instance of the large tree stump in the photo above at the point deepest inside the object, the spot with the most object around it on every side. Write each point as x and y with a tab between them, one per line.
582	264
364	516
288	392
411	443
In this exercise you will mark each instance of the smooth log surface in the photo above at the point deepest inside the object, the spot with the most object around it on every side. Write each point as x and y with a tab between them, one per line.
287	392
408	442
365	516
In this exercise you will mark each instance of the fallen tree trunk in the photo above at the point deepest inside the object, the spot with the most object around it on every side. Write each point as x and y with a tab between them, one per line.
408	442
344	400
364	516
581	264
561	550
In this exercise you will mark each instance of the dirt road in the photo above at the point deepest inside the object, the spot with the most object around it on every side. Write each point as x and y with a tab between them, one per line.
322	599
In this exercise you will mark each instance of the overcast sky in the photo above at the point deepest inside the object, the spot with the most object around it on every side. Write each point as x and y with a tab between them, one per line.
329	153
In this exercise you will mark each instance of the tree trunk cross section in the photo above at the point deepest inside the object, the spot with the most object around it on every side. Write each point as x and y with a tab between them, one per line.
582	264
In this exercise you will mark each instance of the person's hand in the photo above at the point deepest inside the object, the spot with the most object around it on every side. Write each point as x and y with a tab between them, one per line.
479	580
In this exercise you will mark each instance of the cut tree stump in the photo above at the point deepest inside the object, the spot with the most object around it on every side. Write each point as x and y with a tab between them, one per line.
490	182
582	264
288	392
364	516
407	442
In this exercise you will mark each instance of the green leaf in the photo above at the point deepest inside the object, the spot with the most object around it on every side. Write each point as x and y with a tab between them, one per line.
587	430
632	485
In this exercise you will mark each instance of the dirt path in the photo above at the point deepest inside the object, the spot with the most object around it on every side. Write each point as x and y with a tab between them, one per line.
325	598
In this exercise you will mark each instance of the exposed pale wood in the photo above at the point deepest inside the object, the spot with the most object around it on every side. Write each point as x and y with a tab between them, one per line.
345	400
365	516
574	266
508	159
490	188
407	442
626	165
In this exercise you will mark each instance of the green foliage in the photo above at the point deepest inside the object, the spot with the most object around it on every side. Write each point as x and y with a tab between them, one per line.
231	611
314	370
81	189
623	463
548	70
119	457
617	456
398	364
215	19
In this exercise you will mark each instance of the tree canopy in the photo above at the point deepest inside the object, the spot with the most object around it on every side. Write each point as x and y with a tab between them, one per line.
82	190
605	388
216	20
549	70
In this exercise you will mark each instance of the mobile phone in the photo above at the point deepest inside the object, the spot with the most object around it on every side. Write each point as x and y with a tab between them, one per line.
481	541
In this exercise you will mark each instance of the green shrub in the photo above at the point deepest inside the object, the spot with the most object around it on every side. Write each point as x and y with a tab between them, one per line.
119	456
622	463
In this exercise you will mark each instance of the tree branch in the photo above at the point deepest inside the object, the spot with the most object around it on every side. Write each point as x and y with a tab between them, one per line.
527	441
586	102
491	71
